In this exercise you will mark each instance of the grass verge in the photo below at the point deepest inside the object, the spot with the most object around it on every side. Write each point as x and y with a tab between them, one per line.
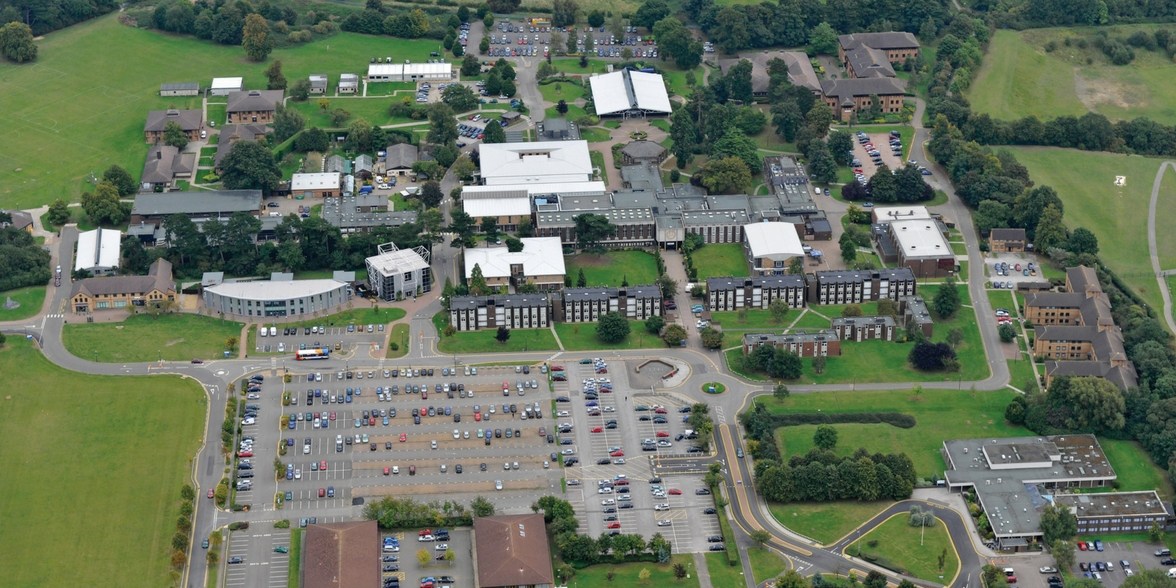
913	549
399	336
826	521
723	575
582	337
144	338
626	574
292	580
765	563
31	299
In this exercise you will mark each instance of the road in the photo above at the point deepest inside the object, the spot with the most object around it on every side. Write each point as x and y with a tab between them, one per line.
1153	250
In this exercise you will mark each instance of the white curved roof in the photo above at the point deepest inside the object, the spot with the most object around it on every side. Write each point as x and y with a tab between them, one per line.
629	90
773	240
275	290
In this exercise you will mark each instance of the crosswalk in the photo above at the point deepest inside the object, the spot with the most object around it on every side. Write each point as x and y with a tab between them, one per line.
55	315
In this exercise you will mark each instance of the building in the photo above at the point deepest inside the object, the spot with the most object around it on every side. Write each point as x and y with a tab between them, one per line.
364	166
320	185
895	46
629	93
191	121
866	62
179	89
717	225
395	274
543	162
225	86
922	248
93	294
1083	302
1076	343
635	226
21	220
540	262
164	165
409	72
770	246
858	286
318	84
1121	375
230	134
277	297
864	328
885	214
341	555
585	305
152	208
507	207
800	70
848	96
337	163
348	83
363	213
513	311
724	294
914	309
254	106
1007	240
558	129
98	251
1117	512
398	158
643	152
812	344
1012	476
512	551
511	117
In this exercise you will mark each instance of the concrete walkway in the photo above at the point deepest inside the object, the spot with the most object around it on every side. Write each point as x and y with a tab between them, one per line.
702	571
1161	277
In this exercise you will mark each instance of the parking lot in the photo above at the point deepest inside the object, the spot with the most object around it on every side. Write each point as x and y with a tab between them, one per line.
259	564
1013	276
881	143
1137	555
519	39
341	339
459	572
608	440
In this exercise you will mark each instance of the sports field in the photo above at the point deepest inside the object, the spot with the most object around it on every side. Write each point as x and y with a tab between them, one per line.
93	469
1085	181
1019	77
88	94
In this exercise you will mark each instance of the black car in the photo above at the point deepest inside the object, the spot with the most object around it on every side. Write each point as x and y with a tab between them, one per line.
563	399
610	509
445	580
416	420
613	533
611	426
487	440
717	547
236	560
458	468
388	558
551	439
306	331
482	466
625	505
709	510
715	539
392	568
694	449
702	492
644	417
569	462
565	441
1167	561
684	409
604	461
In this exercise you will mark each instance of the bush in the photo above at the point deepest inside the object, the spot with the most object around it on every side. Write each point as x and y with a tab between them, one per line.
282	524
897	419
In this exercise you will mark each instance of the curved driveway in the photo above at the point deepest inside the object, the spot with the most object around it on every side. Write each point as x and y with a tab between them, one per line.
1161	276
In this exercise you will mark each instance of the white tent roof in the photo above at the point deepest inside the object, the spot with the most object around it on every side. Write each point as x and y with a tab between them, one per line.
275	290
541	256
99	248
480	207
629	90
773	240
319	181
542	162
650	91
226	83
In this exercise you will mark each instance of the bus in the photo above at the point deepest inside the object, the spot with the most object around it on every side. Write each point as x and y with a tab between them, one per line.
322	353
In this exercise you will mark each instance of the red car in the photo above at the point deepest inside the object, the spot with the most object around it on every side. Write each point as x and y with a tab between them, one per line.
597	430
659	410
505	386
323	465
557	368
663	434
316	415
477	416
197	361
614	525
211	493
424	394
322	492
244	454
1082	545
424	532
372	422
332	415
387	471
403	437
675	491
617	453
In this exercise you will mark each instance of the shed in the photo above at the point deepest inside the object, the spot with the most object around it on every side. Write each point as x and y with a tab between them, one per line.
225	86
179	89
511	117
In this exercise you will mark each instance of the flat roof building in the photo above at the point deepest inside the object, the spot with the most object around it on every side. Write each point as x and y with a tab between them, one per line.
225	86
153	207
316	185
540	262
98	251
769	247
277	297
823	343
395	273
629	93
543	162
922	248
885	214
341	555
1117	512
179	89
409	72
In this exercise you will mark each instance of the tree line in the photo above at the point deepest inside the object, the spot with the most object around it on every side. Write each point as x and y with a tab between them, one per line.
398	513
1023	14
22	261
46	16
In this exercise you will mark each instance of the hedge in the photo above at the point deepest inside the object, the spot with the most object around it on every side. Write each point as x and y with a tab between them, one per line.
286	147
898	419
732	549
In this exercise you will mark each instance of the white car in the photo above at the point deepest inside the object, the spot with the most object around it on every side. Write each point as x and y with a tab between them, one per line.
441	546
662	506
568	452
253	396
562	413
466	434
607	502
605	490
498	484
253	421
425	538
456	434
395	469
609	409
664	523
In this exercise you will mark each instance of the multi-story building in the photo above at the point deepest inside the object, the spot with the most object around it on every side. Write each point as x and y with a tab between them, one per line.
769	247
858	286
922	248
117	292
540	262
1117	512
820	343
397	273
585	305
277	297
726	294
254	106
1007	240
913	308
1083	302
513	311
896	46
864	328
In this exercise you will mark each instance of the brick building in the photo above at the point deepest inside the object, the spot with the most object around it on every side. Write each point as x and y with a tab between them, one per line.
824	343
513	311
583	305
864	328
858	286
725	294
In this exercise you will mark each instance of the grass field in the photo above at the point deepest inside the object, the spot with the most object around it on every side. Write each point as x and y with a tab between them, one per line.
573	113
564	91
757	319
30	298
595	134
725	259
375	110
723	575
826	521
398	336
1117	215
626	574
80	98
765	564
105	489
484	341
1020	78
613	267
916	550
582	337
357	316
1135	469
143	338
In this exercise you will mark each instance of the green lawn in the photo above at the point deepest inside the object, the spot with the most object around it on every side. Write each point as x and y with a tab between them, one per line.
360	275
725	259
1021	373
80	97
595	134
660	123
143	338
216	114
30	298
295	558
723	575
1117	215
105	489
565	91
613	267
757	320
484	341
571	65
811	320
360	316
915	550
765	564
1020	78
626	574
573	113
826	521
1135	469
399	336
582	337
676	78
375	110
388	88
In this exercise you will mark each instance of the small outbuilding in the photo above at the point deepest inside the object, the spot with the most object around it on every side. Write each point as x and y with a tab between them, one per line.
226	86
643	152
179	89
1007	240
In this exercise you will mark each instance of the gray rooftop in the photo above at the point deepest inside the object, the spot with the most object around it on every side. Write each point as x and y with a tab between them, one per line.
206	203
886	40
780	281
253	100
189	120
849	88
901	273
1114	504
503	300
400	156
171	87
754	339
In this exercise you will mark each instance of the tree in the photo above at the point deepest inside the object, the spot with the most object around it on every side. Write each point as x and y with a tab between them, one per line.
1057	522
431	194
840	145
1082	240
314	139
711	338
823	39
255	38
1007	333
779	309
250	165
470	65
785	365
729	175
643	575
679	571
514	245
1050	230
287	122
503	334
103	206
581	280
796	266
1063	552
478	285
685	136
442	124
1094	403
16	42
174	135
482	507
612	327
780	392
561	107
848	248
731	30
649	13
460	97
819	364
488	21
58	212
674	335
760	537
121	179
825	437
493	134
563	13
591	229
734	143
654	324
822	165
423	557
490	228
927	356
300	90
947	299
273	73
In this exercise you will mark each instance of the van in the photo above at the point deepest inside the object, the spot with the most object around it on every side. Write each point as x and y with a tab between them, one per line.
275	214
273	331
263	332
1010	571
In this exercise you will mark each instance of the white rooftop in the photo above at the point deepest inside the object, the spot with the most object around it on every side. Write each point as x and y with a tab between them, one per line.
98	249
397	261
227	83
320	181
627	90
775	241
902	213
269	290
409	69
541	256
543	162
479	207
919	238
561	188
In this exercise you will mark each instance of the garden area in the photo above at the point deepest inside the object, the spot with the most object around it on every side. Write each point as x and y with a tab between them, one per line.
917	551
613	267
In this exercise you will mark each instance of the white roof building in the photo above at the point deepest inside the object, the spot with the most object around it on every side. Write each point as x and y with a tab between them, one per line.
482	207
399	273
543	162
223	86
98	251
275	290
407	72
627	91
892	213
280	296
560	188
320	181
920	239
774	241
541	256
